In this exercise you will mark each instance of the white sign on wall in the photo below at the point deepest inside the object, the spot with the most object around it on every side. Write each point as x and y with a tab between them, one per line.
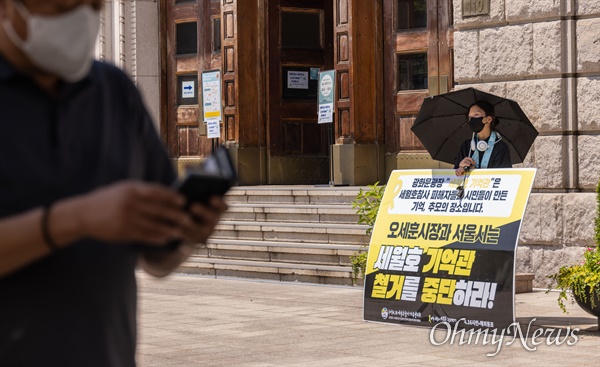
297	80
188	90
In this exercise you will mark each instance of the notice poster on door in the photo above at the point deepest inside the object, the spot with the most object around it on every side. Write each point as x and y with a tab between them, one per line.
213	129
211	96
443	248
297	80
326	96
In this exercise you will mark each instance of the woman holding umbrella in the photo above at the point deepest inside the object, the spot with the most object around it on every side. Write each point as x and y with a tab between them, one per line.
486	148
440	125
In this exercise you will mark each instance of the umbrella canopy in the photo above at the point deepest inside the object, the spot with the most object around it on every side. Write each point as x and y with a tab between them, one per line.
442	126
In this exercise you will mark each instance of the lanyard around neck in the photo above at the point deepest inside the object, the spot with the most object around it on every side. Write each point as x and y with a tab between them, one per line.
488	152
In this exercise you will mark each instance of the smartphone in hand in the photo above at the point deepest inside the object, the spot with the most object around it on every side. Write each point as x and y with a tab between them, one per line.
215	177
198	188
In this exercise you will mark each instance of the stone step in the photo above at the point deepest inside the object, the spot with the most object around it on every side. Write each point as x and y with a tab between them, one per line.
288	252
285	233
292	194
279	271
353	234
306	213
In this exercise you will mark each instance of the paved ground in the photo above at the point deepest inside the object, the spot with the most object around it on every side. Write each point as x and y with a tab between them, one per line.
199	321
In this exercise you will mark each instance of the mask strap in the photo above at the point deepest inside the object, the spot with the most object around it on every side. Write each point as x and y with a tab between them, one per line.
11	33
23	11
10	29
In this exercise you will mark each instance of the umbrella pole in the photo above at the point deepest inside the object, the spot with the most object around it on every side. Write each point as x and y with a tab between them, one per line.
461	188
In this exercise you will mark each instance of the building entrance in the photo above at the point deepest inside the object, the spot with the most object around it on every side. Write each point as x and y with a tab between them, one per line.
388	55
300	44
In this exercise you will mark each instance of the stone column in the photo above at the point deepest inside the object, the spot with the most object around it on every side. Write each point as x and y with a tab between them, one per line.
129	39
358	154
243	49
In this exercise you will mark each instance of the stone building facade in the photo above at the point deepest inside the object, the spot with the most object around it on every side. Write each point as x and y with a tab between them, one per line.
545	54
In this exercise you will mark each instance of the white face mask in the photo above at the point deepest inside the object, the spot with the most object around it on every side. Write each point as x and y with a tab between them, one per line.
62	44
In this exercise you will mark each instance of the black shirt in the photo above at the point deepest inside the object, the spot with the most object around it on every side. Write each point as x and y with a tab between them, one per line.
500	157
76	307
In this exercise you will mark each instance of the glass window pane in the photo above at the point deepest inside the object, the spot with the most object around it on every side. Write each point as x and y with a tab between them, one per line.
411	14
412	71
184	1
187	38
300	29
216	35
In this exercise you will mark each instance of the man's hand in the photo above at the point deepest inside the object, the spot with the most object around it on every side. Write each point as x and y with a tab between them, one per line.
147	213
123	212
205	218
134	212
464	166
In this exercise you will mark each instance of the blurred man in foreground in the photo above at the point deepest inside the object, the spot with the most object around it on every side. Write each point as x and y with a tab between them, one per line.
84	180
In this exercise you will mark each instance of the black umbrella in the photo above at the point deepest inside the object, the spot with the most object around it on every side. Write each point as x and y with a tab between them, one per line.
442	126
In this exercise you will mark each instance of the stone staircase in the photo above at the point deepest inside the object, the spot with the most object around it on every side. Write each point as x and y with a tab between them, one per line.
284	233
290	233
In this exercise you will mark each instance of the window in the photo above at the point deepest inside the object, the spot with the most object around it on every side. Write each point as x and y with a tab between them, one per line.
301	29
216	34
184	1
412	71
411	14
187	38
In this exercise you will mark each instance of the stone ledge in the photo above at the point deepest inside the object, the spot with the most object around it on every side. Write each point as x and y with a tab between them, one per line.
524	282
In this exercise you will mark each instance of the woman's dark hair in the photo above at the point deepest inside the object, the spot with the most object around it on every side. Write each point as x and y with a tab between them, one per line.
489	110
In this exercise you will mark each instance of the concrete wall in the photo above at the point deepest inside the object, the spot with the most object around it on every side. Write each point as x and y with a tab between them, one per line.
129	39
545	54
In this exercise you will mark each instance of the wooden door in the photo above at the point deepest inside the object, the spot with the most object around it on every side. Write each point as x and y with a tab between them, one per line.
418	59
300	38
191	43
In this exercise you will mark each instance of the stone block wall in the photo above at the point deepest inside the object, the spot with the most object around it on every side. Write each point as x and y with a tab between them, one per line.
545	54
